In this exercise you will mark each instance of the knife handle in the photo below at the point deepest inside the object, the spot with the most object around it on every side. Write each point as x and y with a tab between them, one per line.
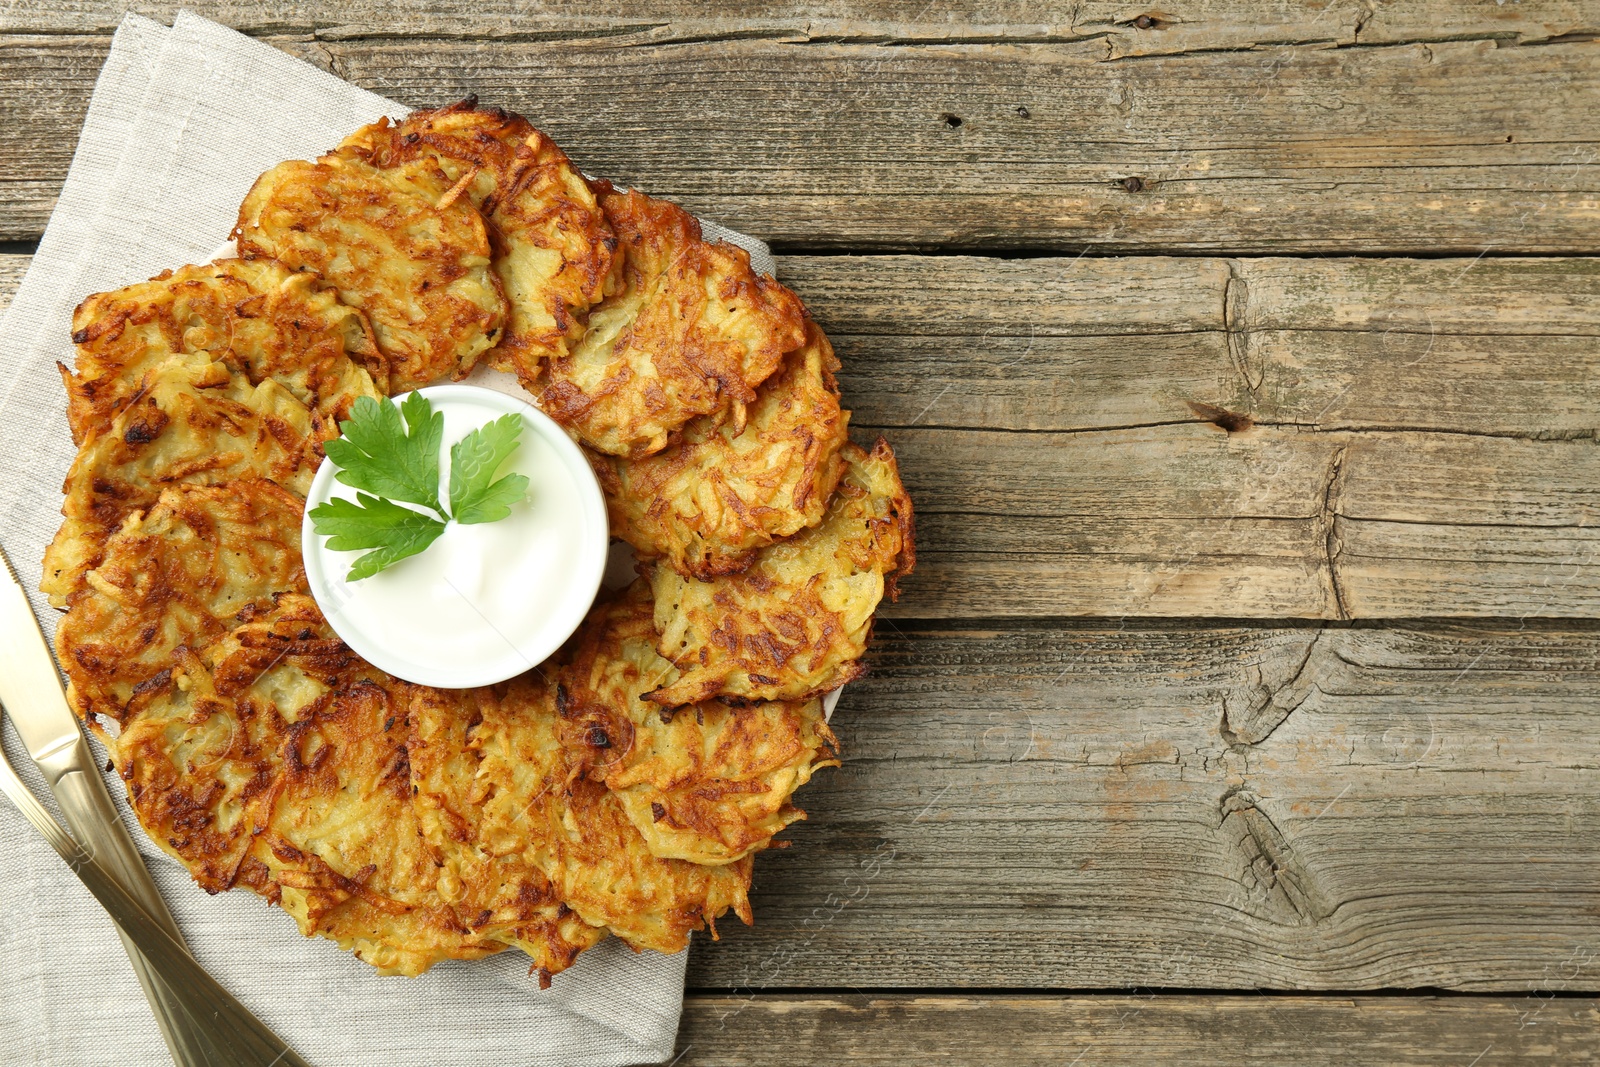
93	819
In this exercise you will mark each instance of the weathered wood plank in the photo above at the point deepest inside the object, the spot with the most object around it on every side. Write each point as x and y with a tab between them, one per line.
1414	523
12	268
1023	1031
1182	520
1388	149
53	79
1187	520
1205	805
1493	346
1183	25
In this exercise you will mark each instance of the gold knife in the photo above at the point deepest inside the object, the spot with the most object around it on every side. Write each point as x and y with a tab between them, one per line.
30	690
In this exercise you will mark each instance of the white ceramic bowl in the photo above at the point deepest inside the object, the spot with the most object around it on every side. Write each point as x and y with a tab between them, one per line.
485	602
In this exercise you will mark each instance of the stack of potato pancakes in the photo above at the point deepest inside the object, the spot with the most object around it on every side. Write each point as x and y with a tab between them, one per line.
622	787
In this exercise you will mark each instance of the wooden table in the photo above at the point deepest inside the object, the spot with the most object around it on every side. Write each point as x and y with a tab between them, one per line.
1242	361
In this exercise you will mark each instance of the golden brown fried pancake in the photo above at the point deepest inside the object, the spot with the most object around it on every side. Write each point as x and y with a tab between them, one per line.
258	317
553	249
193	422
201	747
483	872
608	875
396	244
711	499
691	331
200	768
339	847
795	623
710	784
518	825
344	845
178	574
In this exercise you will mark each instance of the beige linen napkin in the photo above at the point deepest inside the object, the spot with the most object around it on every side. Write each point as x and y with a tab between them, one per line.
181	122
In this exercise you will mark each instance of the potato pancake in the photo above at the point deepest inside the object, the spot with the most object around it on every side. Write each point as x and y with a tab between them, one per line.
195	422
553	249
489	882
519	826
201	750
177	574
394	243
795	623
258	317
344	844
710	784
711	499
692	330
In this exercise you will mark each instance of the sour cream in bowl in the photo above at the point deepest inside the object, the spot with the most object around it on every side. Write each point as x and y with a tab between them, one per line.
485	601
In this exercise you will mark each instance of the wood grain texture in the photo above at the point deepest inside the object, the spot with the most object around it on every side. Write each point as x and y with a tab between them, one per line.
1187	520
1459	145
1408	438
1183	804
1095	343
12	268
1481	346
1178	25
1103	1031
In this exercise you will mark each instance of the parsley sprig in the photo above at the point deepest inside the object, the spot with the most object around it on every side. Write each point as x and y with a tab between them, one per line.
390	455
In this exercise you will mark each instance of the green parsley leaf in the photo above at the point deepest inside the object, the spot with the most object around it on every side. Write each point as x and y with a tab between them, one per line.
475	495
394	532
387	457
390	454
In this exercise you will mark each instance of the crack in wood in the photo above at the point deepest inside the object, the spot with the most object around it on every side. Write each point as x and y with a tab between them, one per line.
1211	413
1327	527
1236	326
1552	435
1270	706
1231	421
1361	22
